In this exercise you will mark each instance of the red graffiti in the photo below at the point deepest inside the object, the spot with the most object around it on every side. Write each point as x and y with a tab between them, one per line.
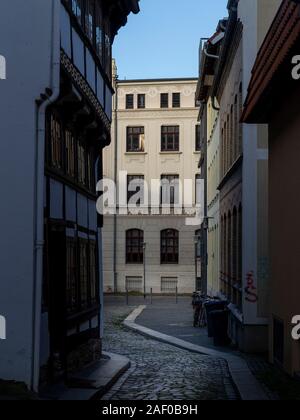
250	290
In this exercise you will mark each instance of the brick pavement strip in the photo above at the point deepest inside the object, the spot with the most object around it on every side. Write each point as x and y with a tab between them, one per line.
160	371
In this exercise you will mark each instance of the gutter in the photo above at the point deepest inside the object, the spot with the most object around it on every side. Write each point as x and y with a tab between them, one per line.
50	97
226	43
116	183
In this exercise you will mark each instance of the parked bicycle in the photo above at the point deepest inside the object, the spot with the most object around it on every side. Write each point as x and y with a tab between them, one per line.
199	310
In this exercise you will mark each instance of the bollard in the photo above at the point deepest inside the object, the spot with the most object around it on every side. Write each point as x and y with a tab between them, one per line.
151	296
127	297
176	294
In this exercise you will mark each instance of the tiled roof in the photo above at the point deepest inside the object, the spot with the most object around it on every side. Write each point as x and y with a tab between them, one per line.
273	54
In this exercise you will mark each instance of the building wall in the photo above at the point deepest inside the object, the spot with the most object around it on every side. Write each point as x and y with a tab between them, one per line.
213	199
284	241
152	164
152	226
256	18
246	188
28	74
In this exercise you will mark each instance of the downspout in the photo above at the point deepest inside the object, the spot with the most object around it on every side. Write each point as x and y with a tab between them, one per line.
98	177
215	57
214	104
48	99
116	183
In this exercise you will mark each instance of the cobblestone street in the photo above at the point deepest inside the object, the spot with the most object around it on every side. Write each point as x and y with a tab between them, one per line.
160	371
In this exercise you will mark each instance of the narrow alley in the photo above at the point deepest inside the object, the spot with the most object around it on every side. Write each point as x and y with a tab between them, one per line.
160	371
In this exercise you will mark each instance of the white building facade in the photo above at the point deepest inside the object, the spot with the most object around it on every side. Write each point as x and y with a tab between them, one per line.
156	136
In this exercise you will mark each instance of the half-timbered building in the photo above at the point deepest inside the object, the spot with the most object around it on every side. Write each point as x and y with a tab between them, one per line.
60	70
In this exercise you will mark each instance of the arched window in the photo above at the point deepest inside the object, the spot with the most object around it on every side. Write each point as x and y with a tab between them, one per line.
225	249
222	160
199	242
231	131
229	256
240	114
169	246
236	128
234	254
134	246
240	256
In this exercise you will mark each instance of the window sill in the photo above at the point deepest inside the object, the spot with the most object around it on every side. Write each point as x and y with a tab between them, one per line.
170	153
135	153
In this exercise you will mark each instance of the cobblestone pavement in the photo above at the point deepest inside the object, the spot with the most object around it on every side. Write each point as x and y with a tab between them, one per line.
160	371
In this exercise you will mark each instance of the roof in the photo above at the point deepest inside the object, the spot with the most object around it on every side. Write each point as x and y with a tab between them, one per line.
227	45
271	73
163	80
119	10
208	60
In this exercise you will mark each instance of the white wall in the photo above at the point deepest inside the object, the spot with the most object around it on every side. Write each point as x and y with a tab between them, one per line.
256	17
25	42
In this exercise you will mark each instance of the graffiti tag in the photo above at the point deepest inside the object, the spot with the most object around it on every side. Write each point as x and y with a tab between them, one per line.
251	290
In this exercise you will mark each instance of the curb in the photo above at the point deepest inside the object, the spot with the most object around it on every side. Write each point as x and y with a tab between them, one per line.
94	381
246	383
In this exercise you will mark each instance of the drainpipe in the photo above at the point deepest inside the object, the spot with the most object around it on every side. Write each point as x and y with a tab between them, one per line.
214	104
48	99
98	177
116	183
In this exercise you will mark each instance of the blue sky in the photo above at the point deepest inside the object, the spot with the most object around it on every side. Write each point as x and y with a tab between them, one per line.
163	39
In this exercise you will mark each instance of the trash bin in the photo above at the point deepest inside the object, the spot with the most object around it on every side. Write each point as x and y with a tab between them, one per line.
213	305
219	320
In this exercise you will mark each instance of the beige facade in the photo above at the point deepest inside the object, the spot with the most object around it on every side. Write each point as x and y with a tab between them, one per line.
213	199
139	105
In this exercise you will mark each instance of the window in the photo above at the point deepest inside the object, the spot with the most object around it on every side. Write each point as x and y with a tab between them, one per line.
170	138
169	190
81	164
83	272
278	340
108	53
164	100
129	101
141	101
135	184
77	8
99	32
71	283
56	143
81	275
89	19
135	139
169	246
169	284
176	100
90	171
198	235
93	273
134	246
198	138
70	154
240	115
134	284
199	190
